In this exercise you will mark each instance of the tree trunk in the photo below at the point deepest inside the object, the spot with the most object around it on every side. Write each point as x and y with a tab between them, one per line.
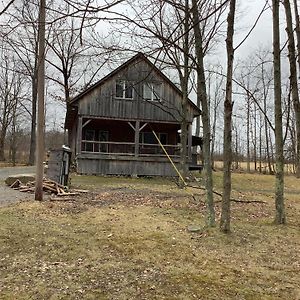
268	157
228	104
184	87
31	159
293	78
255	140
214	134
279	182
41	107
260	144
202	98
248	133
297	31
2	144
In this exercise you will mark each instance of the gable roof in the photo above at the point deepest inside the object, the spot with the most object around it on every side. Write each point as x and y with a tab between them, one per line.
139	56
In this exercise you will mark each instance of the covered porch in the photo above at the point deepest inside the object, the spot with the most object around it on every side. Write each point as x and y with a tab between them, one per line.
127	147
130	138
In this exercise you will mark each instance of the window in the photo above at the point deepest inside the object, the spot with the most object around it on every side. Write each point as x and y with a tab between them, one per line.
124	89
103	137
152	91
149	138
89	135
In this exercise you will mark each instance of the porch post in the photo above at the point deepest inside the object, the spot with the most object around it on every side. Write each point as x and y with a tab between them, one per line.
79	135
190	141
137	138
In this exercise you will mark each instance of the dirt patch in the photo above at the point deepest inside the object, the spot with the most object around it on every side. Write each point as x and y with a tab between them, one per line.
9	196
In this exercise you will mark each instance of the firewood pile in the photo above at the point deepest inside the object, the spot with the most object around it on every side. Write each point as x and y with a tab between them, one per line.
57	191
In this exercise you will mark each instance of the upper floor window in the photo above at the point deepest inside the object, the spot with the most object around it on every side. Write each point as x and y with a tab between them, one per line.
152	91
124	89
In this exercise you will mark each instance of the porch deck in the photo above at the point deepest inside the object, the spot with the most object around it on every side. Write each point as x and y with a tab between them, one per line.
113	147
117	158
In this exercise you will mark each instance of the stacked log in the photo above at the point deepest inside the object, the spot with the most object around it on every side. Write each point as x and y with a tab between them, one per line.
49	186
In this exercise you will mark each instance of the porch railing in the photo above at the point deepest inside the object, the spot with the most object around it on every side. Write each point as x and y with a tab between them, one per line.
127	148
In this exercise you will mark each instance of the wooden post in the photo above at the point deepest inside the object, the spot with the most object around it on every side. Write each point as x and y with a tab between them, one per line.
190	142
40	141
79	135
137	139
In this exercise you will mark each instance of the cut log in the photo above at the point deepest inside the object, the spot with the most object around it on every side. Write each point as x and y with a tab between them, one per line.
67	194
61	191
47	187
49	181
80	191
25	190
16	184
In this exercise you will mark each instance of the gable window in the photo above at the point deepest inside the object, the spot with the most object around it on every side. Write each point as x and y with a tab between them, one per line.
124	89
152	91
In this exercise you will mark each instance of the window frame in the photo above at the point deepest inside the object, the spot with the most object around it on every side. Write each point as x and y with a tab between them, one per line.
151	86
103	148
124	89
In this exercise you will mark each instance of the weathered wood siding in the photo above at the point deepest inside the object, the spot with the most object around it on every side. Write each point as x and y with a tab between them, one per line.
101	102
87	164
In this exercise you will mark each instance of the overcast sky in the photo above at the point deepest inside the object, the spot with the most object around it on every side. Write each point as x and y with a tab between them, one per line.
262	34
261	37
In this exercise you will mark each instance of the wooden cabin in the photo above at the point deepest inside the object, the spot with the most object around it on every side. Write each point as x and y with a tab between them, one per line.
110	125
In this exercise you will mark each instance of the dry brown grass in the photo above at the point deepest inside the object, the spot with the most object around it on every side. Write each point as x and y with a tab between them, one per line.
128	239
288	168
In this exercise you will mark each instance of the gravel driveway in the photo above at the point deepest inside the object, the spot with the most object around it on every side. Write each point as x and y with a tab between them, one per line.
8	195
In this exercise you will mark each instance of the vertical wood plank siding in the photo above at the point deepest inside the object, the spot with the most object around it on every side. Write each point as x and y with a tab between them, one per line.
124	167
101	102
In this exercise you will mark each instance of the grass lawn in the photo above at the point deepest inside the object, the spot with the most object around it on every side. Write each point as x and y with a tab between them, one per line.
128	239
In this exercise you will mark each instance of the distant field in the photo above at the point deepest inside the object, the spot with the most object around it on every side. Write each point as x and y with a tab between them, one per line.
9	164
243	167
128	239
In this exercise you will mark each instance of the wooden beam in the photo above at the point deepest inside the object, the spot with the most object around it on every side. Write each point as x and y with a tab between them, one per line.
86	122
129	123
130	120
190	141
137	138
79	135
143	126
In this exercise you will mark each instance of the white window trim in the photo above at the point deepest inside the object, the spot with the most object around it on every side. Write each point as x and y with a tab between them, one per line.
124	89
151	86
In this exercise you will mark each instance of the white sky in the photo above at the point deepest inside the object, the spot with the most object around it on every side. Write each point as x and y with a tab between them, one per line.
262	33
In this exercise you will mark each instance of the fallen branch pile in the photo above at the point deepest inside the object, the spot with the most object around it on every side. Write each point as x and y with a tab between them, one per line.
49	186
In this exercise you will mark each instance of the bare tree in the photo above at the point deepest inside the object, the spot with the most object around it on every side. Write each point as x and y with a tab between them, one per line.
228	104
24	43
293	78
279	183
203	99
40	145
216	95
10	90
